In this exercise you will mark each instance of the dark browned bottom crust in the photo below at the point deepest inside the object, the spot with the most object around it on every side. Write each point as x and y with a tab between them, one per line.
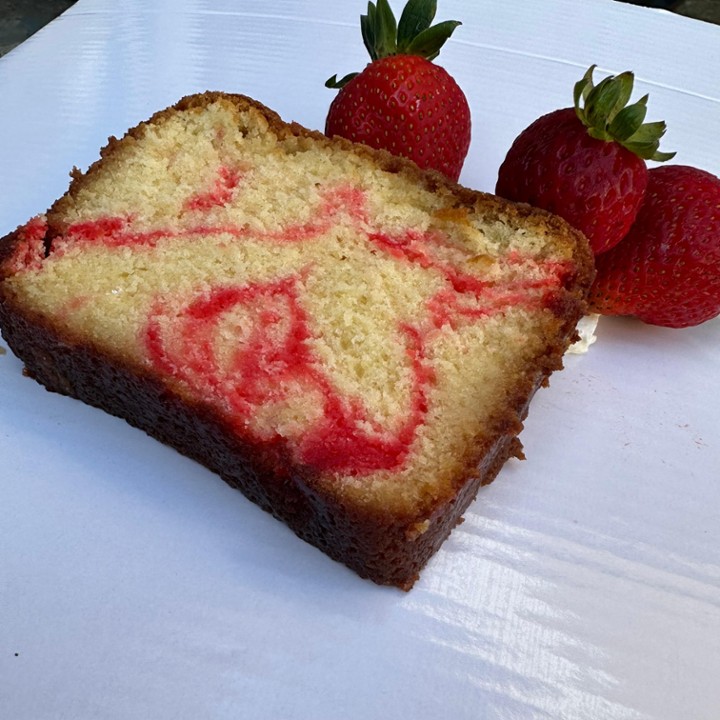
378	548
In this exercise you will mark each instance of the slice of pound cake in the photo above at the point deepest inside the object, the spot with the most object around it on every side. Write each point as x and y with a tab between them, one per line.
350	341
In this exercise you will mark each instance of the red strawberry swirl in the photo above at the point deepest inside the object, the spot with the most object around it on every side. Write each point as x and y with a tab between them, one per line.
221	192
273	365
269	379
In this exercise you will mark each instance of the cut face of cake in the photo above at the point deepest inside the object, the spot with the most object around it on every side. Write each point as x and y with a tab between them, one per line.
350	341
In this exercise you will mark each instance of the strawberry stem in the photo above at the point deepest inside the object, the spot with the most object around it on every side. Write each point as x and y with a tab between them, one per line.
416	18
604	111
413	35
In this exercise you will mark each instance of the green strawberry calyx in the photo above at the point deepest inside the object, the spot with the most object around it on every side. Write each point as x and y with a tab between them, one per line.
413	34
604	110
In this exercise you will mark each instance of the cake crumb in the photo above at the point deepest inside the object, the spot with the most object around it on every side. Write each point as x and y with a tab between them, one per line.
417	529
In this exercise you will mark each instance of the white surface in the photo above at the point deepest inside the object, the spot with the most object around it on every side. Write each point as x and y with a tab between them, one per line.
585	582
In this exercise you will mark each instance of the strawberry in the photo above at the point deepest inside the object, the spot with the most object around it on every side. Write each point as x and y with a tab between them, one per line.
401	101
666	271
587	163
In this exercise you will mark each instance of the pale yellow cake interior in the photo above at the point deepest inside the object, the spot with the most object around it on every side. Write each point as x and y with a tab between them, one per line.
221	191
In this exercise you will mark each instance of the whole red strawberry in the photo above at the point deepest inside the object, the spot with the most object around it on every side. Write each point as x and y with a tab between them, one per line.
587	163
666	271
401	101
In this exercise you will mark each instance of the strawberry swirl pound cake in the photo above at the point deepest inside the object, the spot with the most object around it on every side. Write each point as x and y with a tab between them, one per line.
350	341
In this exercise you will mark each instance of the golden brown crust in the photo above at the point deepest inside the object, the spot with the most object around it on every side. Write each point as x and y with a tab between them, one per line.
383	547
